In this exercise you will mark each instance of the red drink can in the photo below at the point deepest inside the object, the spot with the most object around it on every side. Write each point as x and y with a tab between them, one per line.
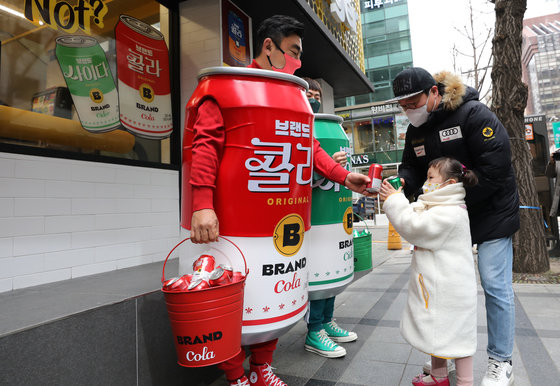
143	78
168	282
228	269
219	276
205	263
177	284
237	276
375	175
198	283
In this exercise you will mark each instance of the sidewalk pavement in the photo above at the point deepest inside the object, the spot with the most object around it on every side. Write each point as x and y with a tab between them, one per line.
372	307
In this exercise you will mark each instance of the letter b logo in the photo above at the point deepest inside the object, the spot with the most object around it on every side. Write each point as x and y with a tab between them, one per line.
348	220
96	95
288	234
291	236
146	92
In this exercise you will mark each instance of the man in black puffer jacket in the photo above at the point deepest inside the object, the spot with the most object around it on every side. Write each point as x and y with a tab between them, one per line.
447	120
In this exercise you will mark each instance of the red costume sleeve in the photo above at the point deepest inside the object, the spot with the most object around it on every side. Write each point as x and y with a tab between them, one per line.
326	166
208	145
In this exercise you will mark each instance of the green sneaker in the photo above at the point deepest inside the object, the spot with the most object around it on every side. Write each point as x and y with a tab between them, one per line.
319	343
338	334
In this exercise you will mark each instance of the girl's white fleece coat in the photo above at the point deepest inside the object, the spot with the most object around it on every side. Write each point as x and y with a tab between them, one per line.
440	314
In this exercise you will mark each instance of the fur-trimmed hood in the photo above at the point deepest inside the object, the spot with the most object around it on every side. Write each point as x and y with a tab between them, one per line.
455	92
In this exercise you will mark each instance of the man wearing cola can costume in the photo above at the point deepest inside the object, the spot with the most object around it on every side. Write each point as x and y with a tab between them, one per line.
213	125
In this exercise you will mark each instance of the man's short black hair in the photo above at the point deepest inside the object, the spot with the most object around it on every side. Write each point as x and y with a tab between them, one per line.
277	27
314	85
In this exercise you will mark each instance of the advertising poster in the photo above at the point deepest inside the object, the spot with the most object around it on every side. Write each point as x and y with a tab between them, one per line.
236	47
143	79
88	77
529	135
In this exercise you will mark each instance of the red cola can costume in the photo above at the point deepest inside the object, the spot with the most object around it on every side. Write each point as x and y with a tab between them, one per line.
263	188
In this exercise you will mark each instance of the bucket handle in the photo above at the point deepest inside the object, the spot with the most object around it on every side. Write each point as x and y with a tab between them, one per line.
188	238
360	217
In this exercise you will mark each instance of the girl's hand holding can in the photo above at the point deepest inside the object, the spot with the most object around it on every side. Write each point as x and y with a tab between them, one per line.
387	189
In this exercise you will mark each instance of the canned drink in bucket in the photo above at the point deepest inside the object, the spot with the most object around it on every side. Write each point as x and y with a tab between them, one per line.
204	263
375	175
395	182
178	284
198	283
219	276
237	276
166	284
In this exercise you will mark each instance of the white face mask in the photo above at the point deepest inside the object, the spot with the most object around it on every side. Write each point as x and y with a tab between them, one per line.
419	116
429	187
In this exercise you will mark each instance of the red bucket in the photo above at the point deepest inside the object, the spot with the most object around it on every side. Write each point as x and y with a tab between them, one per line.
206	323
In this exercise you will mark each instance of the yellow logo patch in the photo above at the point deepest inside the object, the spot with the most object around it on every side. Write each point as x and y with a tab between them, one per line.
487	132
288	234
348	220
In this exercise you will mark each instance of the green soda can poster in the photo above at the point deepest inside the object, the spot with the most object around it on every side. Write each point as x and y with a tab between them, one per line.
89	79
331	259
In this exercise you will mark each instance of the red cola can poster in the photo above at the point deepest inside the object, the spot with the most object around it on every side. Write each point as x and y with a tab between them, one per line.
143	79
263	190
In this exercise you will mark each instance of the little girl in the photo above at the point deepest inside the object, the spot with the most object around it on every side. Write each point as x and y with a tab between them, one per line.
440	314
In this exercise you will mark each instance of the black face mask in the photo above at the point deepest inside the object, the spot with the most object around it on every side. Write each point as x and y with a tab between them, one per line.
315	104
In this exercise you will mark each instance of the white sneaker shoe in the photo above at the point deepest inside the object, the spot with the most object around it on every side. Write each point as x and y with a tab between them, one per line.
428	366
498	374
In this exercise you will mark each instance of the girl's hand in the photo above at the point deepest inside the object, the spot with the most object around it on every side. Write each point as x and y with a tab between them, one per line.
386	190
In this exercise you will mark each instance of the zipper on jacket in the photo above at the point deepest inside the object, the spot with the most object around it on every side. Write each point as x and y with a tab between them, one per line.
425	293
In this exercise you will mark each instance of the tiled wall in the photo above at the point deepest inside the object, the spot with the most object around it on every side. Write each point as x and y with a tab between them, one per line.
61	219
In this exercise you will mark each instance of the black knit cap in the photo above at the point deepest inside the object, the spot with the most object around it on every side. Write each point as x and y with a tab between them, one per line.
410	82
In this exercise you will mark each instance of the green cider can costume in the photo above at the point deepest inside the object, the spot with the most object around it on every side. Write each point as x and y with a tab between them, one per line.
331	259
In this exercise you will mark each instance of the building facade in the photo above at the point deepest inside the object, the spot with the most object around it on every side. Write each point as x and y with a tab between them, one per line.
541	68
377	129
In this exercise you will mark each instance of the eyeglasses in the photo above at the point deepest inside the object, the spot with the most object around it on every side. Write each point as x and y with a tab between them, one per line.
412	105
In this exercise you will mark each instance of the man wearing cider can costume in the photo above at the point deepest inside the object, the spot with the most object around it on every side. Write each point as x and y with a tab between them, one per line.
247	163
323	333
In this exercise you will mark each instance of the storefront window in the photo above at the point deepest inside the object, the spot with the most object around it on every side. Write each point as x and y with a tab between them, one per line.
83	79
383	131
363	137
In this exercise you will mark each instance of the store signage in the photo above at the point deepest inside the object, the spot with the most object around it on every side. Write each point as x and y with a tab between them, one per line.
386	108
362	159
378	3
65	16
534	118
556	132
343	12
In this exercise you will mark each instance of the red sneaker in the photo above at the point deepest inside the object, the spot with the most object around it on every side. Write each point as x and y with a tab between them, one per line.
263	376
419	381
243	381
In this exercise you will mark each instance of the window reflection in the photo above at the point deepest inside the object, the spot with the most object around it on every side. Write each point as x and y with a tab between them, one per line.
36	106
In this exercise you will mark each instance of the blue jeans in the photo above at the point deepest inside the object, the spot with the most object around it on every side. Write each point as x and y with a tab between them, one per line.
495	260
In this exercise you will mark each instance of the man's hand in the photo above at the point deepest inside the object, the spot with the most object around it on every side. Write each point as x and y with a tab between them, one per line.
357	182
204	226
340	157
